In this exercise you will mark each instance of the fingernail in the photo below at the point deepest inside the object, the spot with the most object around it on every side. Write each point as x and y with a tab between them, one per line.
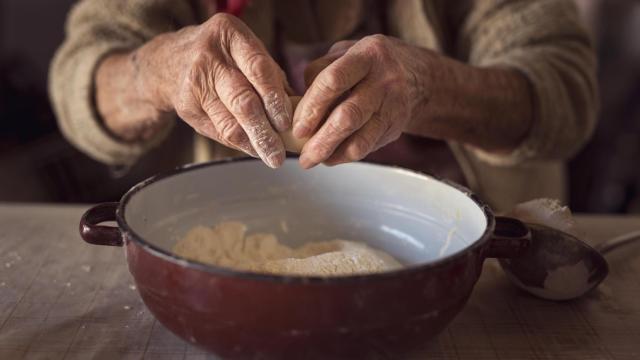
306	162
275	160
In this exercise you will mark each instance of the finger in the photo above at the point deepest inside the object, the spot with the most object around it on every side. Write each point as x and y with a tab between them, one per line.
217	123
202	109
240	99
341	47
328	86
316	66
289	90
349	116
292	143
265	76
363	142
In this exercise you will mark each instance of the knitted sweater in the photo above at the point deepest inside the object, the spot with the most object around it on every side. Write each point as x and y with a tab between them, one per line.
543	39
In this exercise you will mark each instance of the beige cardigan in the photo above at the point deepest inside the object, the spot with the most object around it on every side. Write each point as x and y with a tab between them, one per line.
543	39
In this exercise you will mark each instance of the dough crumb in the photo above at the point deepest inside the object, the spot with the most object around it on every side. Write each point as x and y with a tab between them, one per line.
549	212
228	245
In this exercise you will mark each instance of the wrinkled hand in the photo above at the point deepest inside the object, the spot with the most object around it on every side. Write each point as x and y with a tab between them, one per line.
365	90
219	78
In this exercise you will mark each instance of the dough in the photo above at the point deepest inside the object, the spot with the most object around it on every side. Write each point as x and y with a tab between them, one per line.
228	245
548	212
292	143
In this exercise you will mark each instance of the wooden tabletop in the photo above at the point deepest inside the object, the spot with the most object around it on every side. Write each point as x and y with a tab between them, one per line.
63	299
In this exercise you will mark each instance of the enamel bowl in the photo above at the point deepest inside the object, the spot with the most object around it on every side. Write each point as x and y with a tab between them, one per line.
440	231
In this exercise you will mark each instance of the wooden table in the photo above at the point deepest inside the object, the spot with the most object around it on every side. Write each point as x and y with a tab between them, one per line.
63	299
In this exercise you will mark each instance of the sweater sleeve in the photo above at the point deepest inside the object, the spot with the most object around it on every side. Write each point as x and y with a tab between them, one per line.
95	29
546	42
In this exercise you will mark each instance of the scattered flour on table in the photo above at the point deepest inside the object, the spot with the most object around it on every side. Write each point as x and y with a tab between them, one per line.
228	245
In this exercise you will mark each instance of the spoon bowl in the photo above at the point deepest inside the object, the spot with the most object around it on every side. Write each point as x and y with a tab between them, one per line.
559	266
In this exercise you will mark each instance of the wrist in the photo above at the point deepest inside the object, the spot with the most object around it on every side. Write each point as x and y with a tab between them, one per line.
128	108
151	73
434	86
489	108
420	80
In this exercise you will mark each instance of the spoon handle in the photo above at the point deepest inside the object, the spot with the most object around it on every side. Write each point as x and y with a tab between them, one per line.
617	241
510	238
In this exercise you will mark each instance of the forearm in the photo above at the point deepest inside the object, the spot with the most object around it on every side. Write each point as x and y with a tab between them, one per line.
130	109
489	108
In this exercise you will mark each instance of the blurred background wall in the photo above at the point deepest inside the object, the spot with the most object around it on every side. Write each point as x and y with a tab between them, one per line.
37	164
605	176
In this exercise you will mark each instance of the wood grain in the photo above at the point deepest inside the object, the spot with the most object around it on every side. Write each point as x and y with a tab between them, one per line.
63	299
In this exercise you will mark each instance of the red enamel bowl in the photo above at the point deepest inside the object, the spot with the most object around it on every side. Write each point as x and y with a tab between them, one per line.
439	230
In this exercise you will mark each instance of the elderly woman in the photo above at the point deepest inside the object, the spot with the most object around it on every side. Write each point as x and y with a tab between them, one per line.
509	85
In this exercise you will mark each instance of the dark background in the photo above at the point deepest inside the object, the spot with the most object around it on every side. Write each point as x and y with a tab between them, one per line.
38	165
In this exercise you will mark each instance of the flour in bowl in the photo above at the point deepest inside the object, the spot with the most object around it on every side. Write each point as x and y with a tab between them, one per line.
228	245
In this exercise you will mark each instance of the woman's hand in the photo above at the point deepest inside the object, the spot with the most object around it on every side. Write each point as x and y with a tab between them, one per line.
217	77
365	90
372	90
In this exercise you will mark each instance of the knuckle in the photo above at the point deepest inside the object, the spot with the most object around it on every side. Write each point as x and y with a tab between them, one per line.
246	102
358	149
391	81
231	131
377	41
313	115
221	19
259	67
322	150
341	126
378	45
334	81
350	112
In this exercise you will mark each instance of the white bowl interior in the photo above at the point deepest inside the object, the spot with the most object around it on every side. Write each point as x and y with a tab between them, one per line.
415	218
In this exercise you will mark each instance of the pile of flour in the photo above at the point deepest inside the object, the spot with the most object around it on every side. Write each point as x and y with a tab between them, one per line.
228	245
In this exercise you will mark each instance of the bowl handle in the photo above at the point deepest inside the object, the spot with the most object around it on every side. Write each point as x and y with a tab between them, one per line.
96	234
510	238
